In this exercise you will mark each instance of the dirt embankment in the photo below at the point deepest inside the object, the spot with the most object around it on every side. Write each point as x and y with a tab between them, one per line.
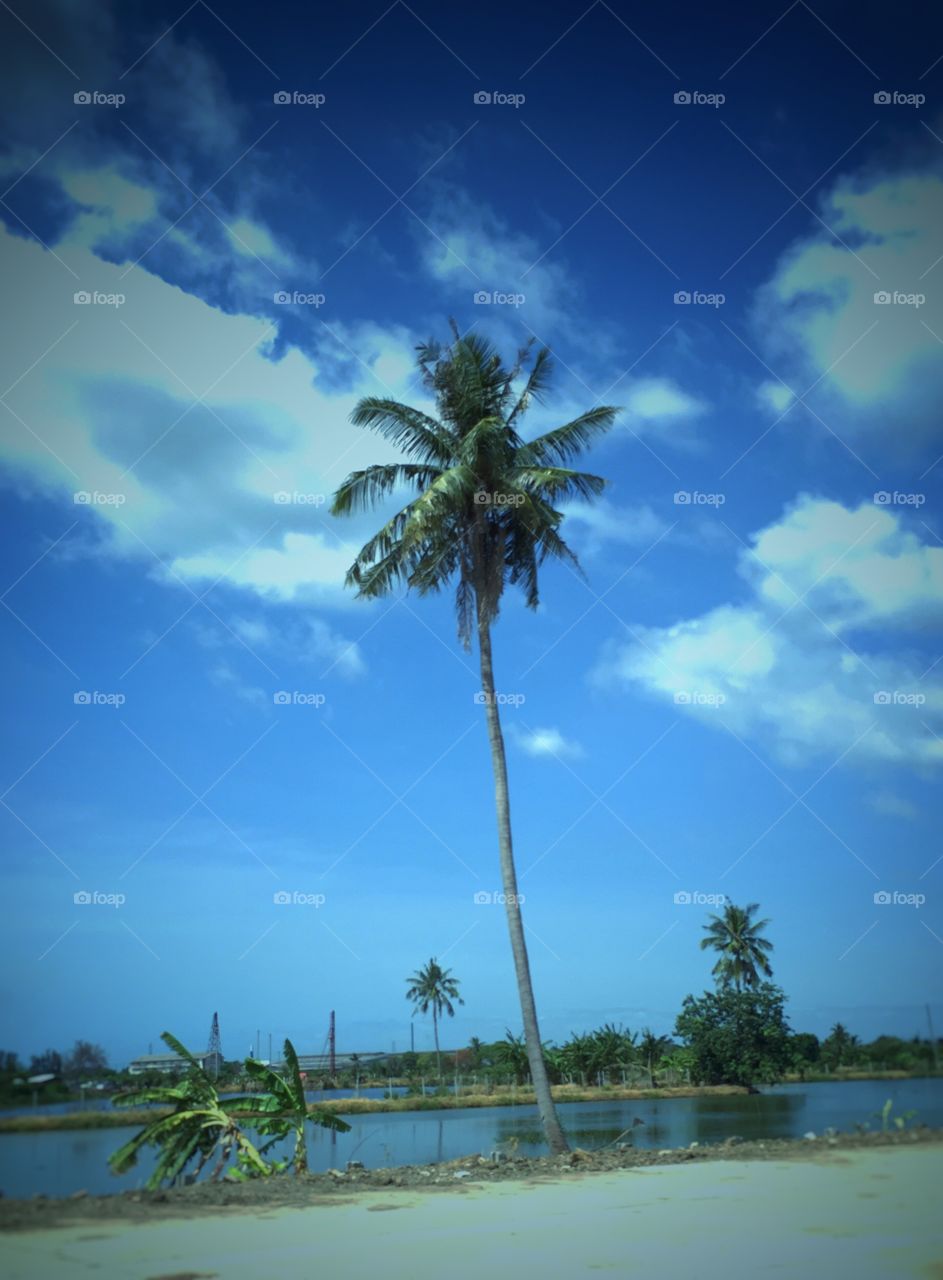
335	1186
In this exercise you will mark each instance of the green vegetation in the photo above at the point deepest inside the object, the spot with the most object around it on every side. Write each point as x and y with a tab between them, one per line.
742	951
199	1125
434	988
282	1109
196	1127
737	1037
486	513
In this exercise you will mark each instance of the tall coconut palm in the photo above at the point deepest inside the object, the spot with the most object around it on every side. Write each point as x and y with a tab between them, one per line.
743	952
485	513
434	988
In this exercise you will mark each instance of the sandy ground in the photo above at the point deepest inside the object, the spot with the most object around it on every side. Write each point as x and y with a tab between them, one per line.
858	1214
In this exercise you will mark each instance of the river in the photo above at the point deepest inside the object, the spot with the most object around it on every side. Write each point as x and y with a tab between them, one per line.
60	1162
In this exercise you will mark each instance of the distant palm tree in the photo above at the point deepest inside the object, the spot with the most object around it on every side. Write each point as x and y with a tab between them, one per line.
485	512
650	1048
434	988
742	951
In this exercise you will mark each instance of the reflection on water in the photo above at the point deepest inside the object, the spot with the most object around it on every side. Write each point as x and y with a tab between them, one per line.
60	1163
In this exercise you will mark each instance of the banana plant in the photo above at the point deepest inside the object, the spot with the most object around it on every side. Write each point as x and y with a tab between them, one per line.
197	1127
281	1108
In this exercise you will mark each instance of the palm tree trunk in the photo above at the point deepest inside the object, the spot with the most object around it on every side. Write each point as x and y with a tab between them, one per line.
538	1067
435	1032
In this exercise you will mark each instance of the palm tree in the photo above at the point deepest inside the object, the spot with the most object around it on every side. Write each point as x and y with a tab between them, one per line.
742	951
485	514
434	988
282	1107
650	1048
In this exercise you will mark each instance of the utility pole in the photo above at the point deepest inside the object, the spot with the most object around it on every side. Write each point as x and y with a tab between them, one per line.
332	1047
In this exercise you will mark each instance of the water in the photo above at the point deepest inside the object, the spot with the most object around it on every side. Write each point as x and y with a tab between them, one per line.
58	1163
95	1102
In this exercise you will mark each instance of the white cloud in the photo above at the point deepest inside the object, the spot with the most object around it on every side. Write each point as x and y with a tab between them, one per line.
814	675
775	396
547	742
891	805
877	361
660	400
104	404
603	522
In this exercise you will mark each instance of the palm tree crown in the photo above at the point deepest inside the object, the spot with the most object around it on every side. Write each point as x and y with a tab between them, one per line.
736	936
485	509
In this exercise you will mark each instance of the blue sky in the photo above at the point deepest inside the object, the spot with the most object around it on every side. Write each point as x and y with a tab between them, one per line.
715	225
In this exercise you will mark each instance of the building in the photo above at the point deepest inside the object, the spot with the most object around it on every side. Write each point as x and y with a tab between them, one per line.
170	1063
